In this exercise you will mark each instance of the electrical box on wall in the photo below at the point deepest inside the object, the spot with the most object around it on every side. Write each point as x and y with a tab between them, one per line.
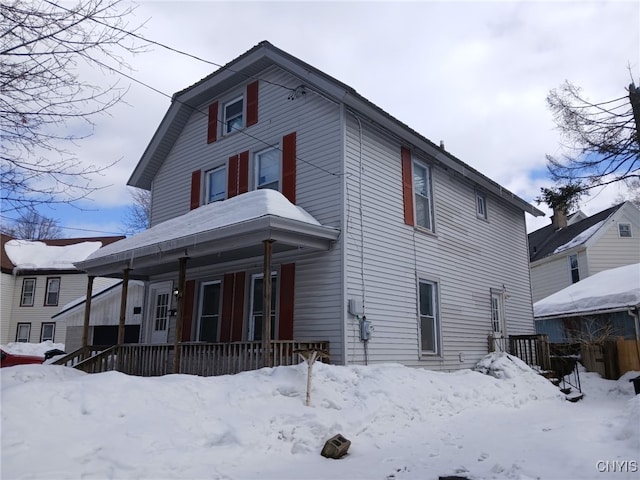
366	329
355	307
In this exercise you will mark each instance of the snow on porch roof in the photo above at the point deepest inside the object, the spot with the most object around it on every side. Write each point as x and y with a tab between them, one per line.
238	222
614	289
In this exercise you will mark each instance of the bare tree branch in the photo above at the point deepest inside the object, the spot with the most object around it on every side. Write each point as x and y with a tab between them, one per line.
45	106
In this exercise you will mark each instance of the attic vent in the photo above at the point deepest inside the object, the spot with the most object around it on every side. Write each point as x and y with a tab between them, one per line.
442	144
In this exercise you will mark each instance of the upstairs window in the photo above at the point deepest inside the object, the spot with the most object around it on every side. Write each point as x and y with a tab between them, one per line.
573	266
268	169
481	205
52	294
28	292
624	229
234	115
217	184
422	195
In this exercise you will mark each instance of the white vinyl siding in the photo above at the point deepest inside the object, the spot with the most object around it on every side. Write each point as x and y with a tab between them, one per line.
318	313
465	256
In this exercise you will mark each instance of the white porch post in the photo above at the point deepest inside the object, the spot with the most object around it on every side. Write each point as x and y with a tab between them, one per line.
180	314
123	305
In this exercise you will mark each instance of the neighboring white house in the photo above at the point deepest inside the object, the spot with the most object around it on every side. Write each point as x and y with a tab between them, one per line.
383	243
565	253
38	278
105	316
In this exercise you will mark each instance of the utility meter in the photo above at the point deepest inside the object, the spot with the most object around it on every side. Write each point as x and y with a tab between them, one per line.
366	329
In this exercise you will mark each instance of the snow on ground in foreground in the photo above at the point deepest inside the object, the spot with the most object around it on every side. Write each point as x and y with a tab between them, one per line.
59	423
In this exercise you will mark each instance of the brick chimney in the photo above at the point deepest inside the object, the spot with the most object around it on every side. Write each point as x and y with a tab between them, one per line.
559	218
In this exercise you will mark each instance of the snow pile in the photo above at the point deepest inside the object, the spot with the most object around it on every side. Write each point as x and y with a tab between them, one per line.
614	288
38	349
28	254
404	424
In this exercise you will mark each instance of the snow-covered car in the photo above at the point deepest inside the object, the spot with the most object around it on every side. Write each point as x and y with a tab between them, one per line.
11	359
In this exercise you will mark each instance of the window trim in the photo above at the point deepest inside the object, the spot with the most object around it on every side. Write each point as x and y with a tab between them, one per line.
225	119
250	330
481	199
53	334
46	292
21	324
427	168
203	285
256	169
628	225
33	292
208	183
571	269
437	331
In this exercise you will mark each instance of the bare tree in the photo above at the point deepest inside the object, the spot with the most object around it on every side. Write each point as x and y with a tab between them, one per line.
602	140
633	193
45	106
138	214
33	226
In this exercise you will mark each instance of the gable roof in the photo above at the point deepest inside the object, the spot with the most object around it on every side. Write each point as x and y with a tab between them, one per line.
248	66
44	255
545	241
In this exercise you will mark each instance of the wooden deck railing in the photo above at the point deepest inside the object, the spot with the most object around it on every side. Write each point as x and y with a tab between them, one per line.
205	359
74	358
531	349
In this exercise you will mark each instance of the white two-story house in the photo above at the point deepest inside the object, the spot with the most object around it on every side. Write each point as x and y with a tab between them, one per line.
378	241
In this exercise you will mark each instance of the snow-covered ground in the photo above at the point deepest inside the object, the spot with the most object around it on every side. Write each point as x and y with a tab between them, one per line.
507	423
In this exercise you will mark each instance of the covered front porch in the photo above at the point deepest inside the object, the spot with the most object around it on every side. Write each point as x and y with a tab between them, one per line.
259	227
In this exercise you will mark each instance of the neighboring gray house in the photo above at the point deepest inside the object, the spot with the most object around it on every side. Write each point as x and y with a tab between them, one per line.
374	226
572	249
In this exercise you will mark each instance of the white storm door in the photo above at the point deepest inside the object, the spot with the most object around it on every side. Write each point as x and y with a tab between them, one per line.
497	321
160	298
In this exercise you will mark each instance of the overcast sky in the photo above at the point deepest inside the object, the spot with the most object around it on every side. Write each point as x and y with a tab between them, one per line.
472	74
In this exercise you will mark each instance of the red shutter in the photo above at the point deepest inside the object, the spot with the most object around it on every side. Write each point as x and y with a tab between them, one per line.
232	179
243	173
289	167
195	189
252	103
407	185
189	294
212	125
238	308
226	322
287	288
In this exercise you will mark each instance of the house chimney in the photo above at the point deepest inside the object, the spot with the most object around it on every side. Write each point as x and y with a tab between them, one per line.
559	218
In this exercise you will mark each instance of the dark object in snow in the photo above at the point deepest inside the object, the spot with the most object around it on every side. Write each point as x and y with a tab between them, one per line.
636	384
336	447
52	353
453	477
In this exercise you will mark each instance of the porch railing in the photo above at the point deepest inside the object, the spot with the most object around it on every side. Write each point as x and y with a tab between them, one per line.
205	359
74	358
531	349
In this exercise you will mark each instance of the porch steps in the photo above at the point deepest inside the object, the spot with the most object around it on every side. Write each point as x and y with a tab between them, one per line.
565	388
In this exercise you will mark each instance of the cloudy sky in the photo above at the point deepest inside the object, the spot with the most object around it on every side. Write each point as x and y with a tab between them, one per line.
472	74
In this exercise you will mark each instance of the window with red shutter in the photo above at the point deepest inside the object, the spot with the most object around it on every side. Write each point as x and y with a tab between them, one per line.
252	103
407	185
289	167
195	189
212	125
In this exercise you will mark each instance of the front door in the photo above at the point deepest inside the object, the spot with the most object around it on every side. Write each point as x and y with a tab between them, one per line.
497	321
160	298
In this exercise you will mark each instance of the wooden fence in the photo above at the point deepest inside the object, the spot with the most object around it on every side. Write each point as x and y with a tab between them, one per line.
613	358
205	359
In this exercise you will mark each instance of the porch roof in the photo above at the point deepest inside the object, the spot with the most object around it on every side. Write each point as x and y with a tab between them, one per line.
215	233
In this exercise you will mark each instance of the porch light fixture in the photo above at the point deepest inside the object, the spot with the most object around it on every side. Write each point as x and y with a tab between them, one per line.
172	312
176	292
